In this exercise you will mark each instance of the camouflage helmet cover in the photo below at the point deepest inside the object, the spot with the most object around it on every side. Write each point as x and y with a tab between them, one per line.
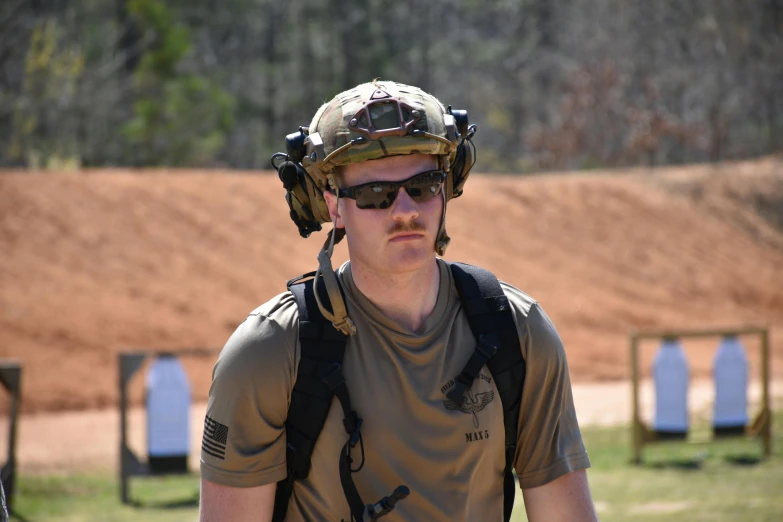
375	120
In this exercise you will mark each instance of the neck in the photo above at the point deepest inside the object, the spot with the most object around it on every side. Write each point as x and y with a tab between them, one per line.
407	298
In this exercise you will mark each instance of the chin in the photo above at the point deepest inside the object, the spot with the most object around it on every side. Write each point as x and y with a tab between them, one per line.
410	259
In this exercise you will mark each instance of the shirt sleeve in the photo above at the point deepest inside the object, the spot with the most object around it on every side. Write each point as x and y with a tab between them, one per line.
244	430
550	443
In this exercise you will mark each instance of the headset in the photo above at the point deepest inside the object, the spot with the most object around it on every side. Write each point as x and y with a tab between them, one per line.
307	207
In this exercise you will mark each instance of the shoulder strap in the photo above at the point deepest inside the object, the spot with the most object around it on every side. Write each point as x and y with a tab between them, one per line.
492	322
322	350
323	347
319	379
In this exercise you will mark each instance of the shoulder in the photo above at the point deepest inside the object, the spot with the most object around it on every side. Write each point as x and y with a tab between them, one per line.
267	335
252	382
533	324
521	303
280	310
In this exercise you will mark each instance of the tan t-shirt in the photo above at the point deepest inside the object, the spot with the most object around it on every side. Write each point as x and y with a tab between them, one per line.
451	460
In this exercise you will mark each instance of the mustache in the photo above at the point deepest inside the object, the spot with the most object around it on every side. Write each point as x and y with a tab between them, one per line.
413	226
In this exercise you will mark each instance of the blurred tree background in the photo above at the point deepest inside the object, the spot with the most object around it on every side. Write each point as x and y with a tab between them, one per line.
552	84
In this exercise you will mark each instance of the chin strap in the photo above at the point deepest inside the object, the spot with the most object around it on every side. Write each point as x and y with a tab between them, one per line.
442	240
338	315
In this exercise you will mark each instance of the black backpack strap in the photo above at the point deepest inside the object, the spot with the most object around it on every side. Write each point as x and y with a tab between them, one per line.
492	322
322	350
319	379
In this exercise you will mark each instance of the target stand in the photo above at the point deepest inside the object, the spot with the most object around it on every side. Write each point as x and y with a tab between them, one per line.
11	379
760	427
171	414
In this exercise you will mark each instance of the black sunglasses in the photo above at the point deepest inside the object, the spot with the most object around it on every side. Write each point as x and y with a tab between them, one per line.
381	194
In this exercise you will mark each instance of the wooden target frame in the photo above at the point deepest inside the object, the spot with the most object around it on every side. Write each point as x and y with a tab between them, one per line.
760	427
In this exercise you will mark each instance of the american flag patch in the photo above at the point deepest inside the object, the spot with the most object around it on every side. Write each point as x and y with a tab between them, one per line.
214	440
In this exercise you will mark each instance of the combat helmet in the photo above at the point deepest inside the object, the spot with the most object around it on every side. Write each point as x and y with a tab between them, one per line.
371	121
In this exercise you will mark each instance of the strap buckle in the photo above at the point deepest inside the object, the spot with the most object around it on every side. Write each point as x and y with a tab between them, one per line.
486	348
335	378
353	426
345	326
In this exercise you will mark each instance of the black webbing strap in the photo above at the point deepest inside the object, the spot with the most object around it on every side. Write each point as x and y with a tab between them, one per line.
483	353
352	423
319	379
492	322
322	350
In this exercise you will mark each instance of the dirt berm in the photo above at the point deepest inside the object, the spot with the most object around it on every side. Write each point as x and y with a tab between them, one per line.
99	262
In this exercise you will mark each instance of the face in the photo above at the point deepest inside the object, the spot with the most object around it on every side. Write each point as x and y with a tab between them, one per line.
393	240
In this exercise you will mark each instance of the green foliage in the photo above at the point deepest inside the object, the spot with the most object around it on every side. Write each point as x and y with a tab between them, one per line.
170	40
181	119
186	124
52	72
154	82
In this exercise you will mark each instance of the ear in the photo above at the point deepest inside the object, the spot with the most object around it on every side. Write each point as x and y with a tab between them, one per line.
334	209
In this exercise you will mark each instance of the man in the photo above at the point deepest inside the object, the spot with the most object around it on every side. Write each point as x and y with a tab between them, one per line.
381	161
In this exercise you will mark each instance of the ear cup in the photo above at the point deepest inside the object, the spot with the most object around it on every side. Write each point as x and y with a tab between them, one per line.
463	162
317	202
298	197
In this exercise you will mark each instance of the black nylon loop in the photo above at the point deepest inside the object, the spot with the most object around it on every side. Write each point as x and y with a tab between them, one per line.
349	488
360	441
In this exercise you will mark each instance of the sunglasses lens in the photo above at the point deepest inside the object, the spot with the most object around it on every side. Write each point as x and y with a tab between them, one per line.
425	186
375	195
381	195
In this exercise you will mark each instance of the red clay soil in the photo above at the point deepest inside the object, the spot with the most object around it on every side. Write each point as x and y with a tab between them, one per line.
99	262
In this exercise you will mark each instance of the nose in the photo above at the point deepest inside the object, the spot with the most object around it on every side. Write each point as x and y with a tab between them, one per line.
404	208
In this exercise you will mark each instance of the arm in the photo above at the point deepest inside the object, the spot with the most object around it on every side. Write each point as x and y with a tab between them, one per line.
243	445
551	456
223	503
565	499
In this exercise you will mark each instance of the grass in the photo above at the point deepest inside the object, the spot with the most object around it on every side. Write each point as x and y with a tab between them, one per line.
95	497
721	481
724	480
